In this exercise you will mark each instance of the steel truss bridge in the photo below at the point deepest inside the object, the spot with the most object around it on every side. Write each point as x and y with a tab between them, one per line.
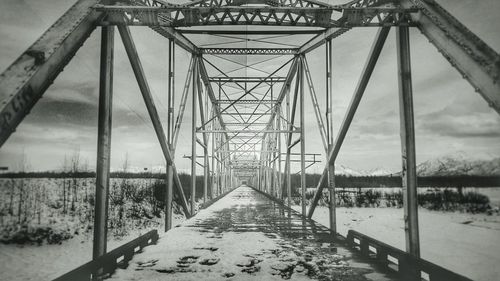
246	125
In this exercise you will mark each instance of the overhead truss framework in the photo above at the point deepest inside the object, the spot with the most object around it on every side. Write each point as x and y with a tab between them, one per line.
239	13
247	117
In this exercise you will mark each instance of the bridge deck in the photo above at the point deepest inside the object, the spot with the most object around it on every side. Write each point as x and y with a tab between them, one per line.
247	236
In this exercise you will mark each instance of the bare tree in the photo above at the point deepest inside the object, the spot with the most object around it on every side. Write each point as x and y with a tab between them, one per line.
75	164
11	202
65	165
21	203
122	190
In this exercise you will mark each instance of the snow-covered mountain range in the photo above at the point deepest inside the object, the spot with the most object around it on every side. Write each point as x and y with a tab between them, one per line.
458	163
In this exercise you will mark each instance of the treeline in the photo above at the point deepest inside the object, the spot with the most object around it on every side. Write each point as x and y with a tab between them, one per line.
311	179
81	175
395	181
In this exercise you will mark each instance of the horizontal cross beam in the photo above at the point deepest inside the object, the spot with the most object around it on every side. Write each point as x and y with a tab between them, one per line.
250	32
247	101
247	131
178	16
245	113
247	79
249	51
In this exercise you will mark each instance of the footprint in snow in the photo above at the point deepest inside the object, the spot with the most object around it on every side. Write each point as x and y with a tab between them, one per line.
209	261
211	249
186	261
147	263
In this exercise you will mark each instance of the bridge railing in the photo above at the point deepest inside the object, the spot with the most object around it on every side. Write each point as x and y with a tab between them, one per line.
407	266
106	264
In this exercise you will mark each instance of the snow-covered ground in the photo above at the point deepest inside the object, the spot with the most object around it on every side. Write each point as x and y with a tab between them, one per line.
46	262
468	244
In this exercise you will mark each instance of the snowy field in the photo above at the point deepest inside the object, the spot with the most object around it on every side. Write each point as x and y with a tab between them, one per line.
465	243
46	262
462	242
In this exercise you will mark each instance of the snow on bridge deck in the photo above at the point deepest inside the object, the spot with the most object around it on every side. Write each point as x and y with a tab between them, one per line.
247	236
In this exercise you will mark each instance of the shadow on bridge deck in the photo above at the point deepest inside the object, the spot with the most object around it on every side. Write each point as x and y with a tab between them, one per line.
247	236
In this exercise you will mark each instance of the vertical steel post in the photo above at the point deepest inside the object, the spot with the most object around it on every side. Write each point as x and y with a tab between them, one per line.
280	187
168	197
212	185
329	121
329	97
287	157
103	142
193	134
332	204
171	91
300	79
170	134
408	174
205	174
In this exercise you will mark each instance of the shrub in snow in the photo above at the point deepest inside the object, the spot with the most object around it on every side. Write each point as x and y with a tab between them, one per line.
34	235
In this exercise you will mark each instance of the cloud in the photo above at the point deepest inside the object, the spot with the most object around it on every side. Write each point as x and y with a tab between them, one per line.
477	125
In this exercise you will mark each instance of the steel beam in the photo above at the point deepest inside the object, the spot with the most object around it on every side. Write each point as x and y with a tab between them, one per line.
171	92
248	131
217	111
247	102
284	3
145	91
314	100
170	134
103	143
181	16
251	89
148	99
169	197
317	194
182	105
409	170
249	32
329	138
358	93
165	31
300	79
247	79
471	56
180	193
249	51
351	110
194	104
23	83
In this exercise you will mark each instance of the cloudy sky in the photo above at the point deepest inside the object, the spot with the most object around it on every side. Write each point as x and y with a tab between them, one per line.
450	116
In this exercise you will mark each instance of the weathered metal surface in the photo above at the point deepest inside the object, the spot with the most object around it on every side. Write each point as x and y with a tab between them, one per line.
407	132
472	57
103	143
23	83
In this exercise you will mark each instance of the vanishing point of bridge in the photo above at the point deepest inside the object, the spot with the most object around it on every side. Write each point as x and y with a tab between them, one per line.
247	121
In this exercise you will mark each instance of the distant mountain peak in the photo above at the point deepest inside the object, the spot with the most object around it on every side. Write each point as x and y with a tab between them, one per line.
459	163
